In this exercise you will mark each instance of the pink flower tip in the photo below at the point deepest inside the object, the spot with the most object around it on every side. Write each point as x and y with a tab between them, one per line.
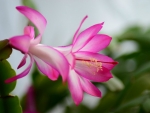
103	23
19	7
9	80
115	62
85	17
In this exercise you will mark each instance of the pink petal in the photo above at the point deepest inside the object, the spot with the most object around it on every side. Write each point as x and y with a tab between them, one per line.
76	33
52	57
89	88
29	30
71	59
91	73
106	61
94	66
46	69
20	43
75	87
85	36
34	16
97	43
23	61
64	49
37	40
22	74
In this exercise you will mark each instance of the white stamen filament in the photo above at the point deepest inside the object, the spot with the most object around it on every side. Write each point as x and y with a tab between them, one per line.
93	63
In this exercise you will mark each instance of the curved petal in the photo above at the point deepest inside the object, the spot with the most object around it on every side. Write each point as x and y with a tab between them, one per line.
52	57
29	30
75	87
97	43
22	74
23	61
64	49
46	69
85	36
37	40
76	33
89	88
71	59
20	43
106	61
34	16
91	73
94	66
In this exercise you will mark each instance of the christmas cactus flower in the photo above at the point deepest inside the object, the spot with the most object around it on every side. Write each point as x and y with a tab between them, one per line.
86	64
48	60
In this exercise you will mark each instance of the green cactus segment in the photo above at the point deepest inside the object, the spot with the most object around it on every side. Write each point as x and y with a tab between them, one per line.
29	3
6	72
3	43
5	49
10	104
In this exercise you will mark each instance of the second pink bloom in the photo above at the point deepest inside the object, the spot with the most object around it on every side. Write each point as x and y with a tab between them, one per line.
86	64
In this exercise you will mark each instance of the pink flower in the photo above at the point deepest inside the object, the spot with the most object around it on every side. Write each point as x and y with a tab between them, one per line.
49	61
86	64
30	106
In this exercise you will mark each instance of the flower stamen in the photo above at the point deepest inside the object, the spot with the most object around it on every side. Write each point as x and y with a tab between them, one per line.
93	63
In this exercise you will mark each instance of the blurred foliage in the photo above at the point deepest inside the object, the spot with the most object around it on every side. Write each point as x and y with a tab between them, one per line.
133	71
6	72
8	103
29	3
47	88
47	93
5	49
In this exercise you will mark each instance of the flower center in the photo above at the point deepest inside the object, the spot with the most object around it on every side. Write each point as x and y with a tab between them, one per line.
93	63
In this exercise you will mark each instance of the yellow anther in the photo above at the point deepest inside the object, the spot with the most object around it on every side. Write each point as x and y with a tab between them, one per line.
93	63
